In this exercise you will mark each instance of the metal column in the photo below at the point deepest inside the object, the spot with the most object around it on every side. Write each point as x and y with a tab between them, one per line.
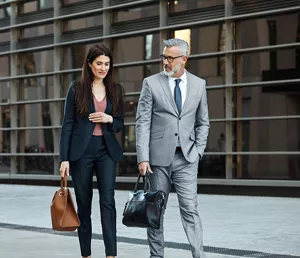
228	91
13	87
163	21
57	84
106	23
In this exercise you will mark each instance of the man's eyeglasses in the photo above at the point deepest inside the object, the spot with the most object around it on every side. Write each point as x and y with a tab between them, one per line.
170	59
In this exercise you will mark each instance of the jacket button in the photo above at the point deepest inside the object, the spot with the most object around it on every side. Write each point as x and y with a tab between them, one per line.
176	134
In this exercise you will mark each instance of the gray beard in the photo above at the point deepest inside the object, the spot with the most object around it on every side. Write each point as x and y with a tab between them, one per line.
169	73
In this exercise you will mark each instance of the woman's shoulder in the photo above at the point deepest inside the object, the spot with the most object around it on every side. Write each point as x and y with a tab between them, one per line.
119	88
73	84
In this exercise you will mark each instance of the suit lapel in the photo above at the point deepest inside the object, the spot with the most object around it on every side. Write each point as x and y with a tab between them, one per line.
166	88
188	92
92	105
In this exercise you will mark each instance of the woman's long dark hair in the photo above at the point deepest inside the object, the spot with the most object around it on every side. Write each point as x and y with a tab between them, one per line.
83	91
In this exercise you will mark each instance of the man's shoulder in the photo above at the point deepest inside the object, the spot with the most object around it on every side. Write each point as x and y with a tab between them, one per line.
153	77
195	78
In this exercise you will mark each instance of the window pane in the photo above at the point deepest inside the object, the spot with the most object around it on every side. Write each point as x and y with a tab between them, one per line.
269	66
257	102
204	39
37	62
36	31
35	88
271	167
216	103
65	2
268	31
206	69
44	4
131	78
185	5
29	7
4	64
4	37
4	92
81	23
74	55
136	48
39	165
135	13
4	139
130	107
271	135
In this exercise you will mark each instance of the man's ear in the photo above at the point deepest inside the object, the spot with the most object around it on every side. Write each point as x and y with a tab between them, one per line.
185	58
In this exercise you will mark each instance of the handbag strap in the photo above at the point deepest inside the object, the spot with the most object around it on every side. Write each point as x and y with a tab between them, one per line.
138	181
147	182
63	182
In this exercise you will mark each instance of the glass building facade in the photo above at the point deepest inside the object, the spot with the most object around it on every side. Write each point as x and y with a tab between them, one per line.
248	51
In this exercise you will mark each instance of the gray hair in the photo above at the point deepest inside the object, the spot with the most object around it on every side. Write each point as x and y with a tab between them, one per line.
184	46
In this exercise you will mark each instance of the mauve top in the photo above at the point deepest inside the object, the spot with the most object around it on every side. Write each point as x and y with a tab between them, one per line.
100	106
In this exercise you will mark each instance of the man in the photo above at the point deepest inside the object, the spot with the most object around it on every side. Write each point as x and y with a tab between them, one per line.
171	133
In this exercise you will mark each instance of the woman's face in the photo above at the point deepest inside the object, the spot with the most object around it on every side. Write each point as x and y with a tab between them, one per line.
100	66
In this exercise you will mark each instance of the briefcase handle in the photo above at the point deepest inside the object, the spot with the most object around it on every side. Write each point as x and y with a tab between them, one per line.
63	182
146	181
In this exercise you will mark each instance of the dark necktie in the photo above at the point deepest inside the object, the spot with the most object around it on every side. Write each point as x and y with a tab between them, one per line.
177	95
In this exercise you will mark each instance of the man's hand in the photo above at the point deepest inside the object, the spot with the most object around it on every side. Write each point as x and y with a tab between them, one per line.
64	168
100	117
144	167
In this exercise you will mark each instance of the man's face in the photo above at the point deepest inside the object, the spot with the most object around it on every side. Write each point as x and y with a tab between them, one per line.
174	61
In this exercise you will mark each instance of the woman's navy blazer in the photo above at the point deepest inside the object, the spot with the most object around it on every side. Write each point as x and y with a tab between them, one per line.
77	130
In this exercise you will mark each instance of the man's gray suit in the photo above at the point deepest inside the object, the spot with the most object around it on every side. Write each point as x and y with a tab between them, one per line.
158	126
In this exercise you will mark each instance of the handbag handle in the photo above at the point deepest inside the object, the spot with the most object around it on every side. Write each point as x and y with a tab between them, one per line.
146	181
63	182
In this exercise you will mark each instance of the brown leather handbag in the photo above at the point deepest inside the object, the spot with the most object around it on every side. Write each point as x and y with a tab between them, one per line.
63	213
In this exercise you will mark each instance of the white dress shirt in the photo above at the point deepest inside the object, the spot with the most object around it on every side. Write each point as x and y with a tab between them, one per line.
183	89
182	86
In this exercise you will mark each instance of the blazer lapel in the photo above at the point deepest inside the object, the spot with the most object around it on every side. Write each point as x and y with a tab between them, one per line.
166	88
189	91
92	106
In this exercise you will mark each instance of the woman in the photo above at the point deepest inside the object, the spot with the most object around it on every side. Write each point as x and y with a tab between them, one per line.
93	114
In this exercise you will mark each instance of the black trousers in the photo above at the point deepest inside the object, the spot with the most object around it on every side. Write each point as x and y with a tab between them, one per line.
95	158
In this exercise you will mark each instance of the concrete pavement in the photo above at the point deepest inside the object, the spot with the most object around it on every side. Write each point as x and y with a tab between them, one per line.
234	226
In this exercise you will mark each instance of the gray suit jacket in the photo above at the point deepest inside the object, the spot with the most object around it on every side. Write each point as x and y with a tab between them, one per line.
158	123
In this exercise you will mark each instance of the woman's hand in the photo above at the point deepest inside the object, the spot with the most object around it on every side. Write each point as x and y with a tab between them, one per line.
64	168
100	117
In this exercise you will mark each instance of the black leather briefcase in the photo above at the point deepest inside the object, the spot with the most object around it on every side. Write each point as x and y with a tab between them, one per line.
144	208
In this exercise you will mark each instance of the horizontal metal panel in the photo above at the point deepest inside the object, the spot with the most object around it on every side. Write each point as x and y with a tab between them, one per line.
212	120
119	2
197	15
35	16
4	46
4	22
7	3
36	41
251	84
82	34
155	61
265	153
153	29
134	25
81	7
251	6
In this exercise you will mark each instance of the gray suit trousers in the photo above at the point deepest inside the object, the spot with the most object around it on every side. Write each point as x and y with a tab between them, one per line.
184	177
